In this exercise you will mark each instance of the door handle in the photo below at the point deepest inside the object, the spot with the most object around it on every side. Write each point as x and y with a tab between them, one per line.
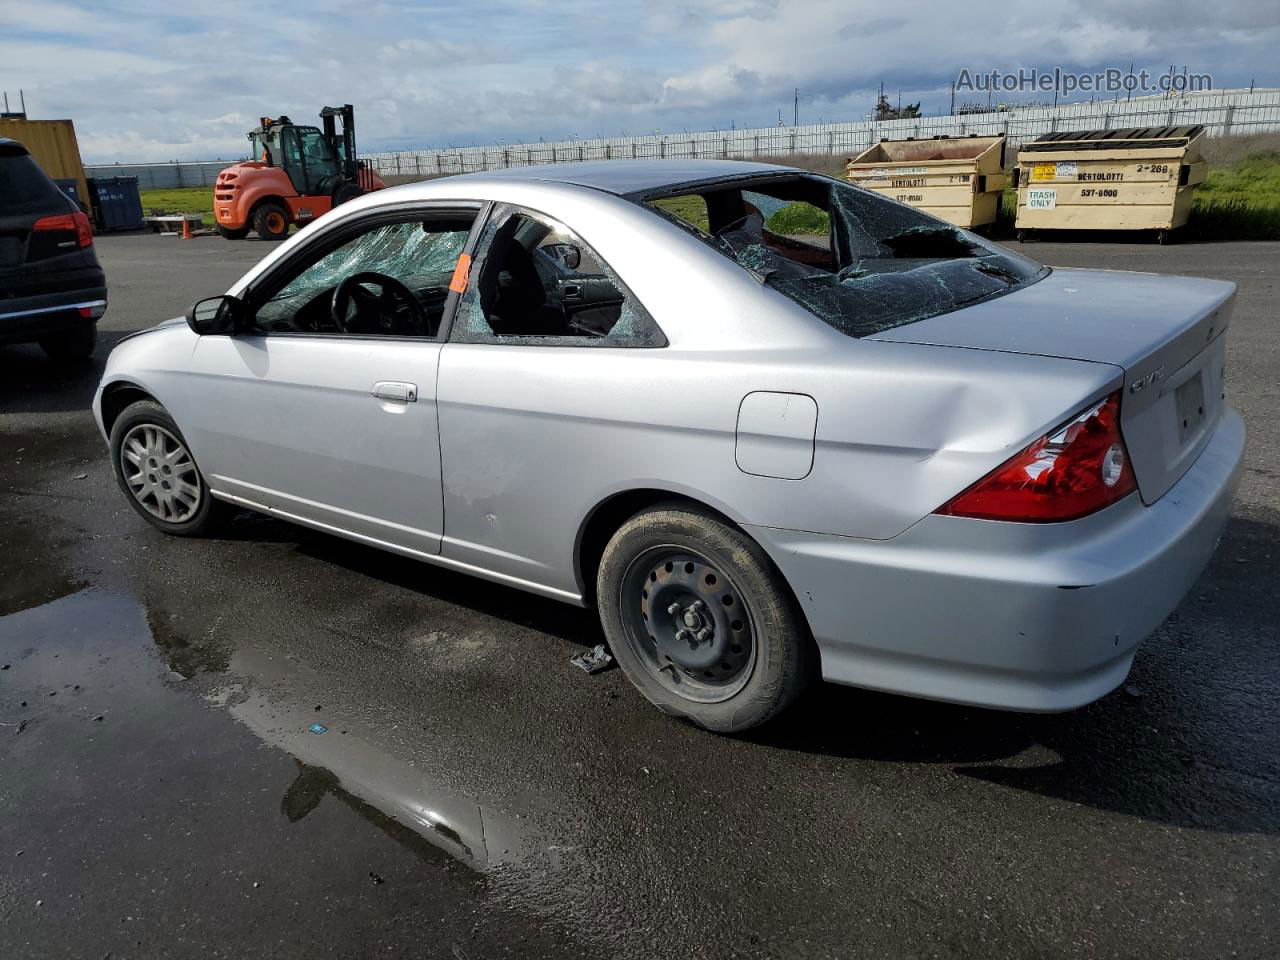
395	390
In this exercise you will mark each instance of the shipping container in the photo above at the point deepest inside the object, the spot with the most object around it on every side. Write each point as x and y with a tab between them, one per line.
959	179
1141	178
117	204
52	143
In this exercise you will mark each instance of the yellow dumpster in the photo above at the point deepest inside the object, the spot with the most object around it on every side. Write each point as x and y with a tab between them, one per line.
52	144
1141	178
959	179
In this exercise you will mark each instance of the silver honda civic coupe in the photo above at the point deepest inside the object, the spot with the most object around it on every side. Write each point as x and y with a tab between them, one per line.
772	426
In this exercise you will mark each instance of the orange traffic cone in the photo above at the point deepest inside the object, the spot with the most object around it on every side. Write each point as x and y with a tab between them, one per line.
186	229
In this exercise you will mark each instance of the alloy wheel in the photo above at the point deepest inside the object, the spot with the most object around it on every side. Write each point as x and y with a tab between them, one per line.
160	473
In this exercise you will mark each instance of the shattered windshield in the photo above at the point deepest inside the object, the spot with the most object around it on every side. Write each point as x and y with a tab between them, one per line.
856	260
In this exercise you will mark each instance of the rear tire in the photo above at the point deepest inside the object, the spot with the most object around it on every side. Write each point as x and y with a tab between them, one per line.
158	475
735	652
73	346
271	221
230	234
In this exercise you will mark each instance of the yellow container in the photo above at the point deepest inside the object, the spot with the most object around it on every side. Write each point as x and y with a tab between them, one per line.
52	143
959	179
1141	178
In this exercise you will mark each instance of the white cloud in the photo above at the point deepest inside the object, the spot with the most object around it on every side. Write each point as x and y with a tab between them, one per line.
146	80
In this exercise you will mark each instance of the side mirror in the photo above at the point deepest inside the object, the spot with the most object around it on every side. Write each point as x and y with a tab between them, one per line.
566	253
216	315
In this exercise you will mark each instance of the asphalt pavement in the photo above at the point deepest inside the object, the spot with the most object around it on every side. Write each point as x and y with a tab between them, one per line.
280	744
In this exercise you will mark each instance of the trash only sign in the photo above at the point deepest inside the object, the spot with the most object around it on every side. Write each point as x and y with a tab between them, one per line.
1042	199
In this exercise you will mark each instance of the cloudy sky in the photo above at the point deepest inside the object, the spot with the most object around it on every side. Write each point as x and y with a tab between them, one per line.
185	79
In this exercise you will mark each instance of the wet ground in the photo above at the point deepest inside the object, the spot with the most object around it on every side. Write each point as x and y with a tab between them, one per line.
165	791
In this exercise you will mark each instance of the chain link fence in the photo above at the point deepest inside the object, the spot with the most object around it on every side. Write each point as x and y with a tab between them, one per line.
1224	113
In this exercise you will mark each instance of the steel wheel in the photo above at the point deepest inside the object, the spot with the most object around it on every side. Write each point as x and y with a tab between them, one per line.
160	473
688	624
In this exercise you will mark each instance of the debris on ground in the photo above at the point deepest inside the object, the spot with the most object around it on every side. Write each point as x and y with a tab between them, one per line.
1134	690
318	728
376	878
80	476
595	660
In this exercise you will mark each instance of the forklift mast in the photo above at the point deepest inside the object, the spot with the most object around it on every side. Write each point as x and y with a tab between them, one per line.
344	146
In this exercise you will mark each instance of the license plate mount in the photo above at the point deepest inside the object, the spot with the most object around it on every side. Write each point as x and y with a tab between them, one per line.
1189	401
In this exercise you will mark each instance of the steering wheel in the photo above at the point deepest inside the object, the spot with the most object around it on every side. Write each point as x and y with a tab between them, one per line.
394	312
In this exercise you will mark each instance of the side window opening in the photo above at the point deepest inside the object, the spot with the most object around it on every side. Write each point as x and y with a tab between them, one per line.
539	283
403	270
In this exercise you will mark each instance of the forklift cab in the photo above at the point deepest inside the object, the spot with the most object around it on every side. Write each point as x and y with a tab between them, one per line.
303	153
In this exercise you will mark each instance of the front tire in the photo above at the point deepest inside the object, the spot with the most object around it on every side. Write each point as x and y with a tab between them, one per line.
271	221
701	621
157	473
344	191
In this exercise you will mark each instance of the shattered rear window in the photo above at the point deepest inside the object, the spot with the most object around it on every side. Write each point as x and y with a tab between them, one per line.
858	261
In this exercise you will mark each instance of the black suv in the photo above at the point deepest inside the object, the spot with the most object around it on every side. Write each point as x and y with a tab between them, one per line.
52	290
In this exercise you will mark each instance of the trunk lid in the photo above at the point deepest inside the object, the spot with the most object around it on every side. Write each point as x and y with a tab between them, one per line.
1165	333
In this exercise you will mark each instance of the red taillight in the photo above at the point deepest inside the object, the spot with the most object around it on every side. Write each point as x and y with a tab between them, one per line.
1078	468
76	223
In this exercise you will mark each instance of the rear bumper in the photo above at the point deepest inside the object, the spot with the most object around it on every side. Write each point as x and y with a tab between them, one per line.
51	302
33	323
1034	617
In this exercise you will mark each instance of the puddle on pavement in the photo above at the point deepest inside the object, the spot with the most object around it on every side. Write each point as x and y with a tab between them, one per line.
98	657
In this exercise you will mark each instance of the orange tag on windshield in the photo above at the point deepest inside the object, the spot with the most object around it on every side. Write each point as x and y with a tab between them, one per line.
461	273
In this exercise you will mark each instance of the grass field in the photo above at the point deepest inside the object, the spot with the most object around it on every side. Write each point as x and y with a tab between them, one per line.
180	200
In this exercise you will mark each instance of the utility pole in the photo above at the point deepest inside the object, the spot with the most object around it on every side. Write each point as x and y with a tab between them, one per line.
795	109
953	98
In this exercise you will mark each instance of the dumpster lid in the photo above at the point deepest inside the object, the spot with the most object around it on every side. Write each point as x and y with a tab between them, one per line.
1128	138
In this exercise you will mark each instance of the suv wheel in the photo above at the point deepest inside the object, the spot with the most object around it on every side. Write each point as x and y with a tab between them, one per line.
73	345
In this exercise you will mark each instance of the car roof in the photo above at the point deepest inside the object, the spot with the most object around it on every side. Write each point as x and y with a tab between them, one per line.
632	177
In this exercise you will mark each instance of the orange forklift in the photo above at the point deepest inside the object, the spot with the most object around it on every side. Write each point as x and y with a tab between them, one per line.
297	173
